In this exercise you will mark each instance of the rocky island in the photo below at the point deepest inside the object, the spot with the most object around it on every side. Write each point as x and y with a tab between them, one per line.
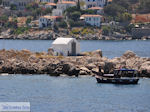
27	62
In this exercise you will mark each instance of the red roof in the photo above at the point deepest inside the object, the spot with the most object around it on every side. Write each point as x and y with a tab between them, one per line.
52	17
51	4
96	8
67	2
109	0
89	15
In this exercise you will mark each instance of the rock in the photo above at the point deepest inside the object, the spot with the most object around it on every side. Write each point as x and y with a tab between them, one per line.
73	71
109	67
129	54
84	69
95	71
66	68
82	72
51	52
145	69
1	62
97	53
91	66
26	62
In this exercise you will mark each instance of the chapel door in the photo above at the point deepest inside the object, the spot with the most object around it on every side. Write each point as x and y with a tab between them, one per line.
73	46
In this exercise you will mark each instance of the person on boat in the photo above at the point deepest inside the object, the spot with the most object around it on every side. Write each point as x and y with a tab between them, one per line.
100	71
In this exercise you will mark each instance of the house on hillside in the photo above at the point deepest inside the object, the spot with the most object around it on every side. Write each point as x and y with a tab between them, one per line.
94	20
95	3
20	4
50	5
46	1
57	12
46	21
62	6
66	46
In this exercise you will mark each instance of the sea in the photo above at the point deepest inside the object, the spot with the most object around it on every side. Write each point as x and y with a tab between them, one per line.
109	48
70	94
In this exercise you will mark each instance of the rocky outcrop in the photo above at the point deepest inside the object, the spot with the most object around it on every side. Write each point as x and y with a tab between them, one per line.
45	34
26	62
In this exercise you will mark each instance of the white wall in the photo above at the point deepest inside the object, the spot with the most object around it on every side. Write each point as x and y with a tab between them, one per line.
64	6
94	21
52	1
95	3
44	21
57	12
64	48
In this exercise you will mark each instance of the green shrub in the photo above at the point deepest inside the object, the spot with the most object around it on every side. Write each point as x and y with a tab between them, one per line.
21	30
75	31
62	24
13	7
106	30
75	23
85	31
75	15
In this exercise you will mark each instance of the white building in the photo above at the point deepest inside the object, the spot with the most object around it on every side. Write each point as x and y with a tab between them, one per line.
50	5
61	6
45	1
57	12
95	3
94	20
66	46
45	21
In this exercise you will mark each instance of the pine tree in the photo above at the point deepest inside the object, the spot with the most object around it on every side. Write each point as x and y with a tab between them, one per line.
78	5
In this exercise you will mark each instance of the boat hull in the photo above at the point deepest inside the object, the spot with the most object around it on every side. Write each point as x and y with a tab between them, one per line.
117	80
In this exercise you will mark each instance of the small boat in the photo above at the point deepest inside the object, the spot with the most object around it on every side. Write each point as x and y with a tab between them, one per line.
4	74
120	76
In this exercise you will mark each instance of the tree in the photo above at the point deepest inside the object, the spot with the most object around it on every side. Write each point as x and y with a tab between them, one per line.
55	1
145	5
123	3
13	7
4	18
126	17
0	2
48	10
78	5
129	28
32	6
55	27
75	15
63	24
106	30
28	20
114	9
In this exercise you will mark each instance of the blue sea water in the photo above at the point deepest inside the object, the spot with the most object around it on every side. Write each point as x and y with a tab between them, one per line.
69	94
110	48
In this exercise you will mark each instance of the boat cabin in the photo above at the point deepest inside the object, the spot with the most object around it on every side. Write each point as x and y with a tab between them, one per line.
125	73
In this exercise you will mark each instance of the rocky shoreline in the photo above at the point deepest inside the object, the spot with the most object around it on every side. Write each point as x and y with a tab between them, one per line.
27	62
50	35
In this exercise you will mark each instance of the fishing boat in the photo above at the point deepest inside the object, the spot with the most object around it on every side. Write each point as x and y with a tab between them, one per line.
120	76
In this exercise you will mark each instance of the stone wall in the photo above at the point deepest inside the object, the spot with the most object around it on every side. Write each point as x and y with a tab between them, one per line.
140	32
